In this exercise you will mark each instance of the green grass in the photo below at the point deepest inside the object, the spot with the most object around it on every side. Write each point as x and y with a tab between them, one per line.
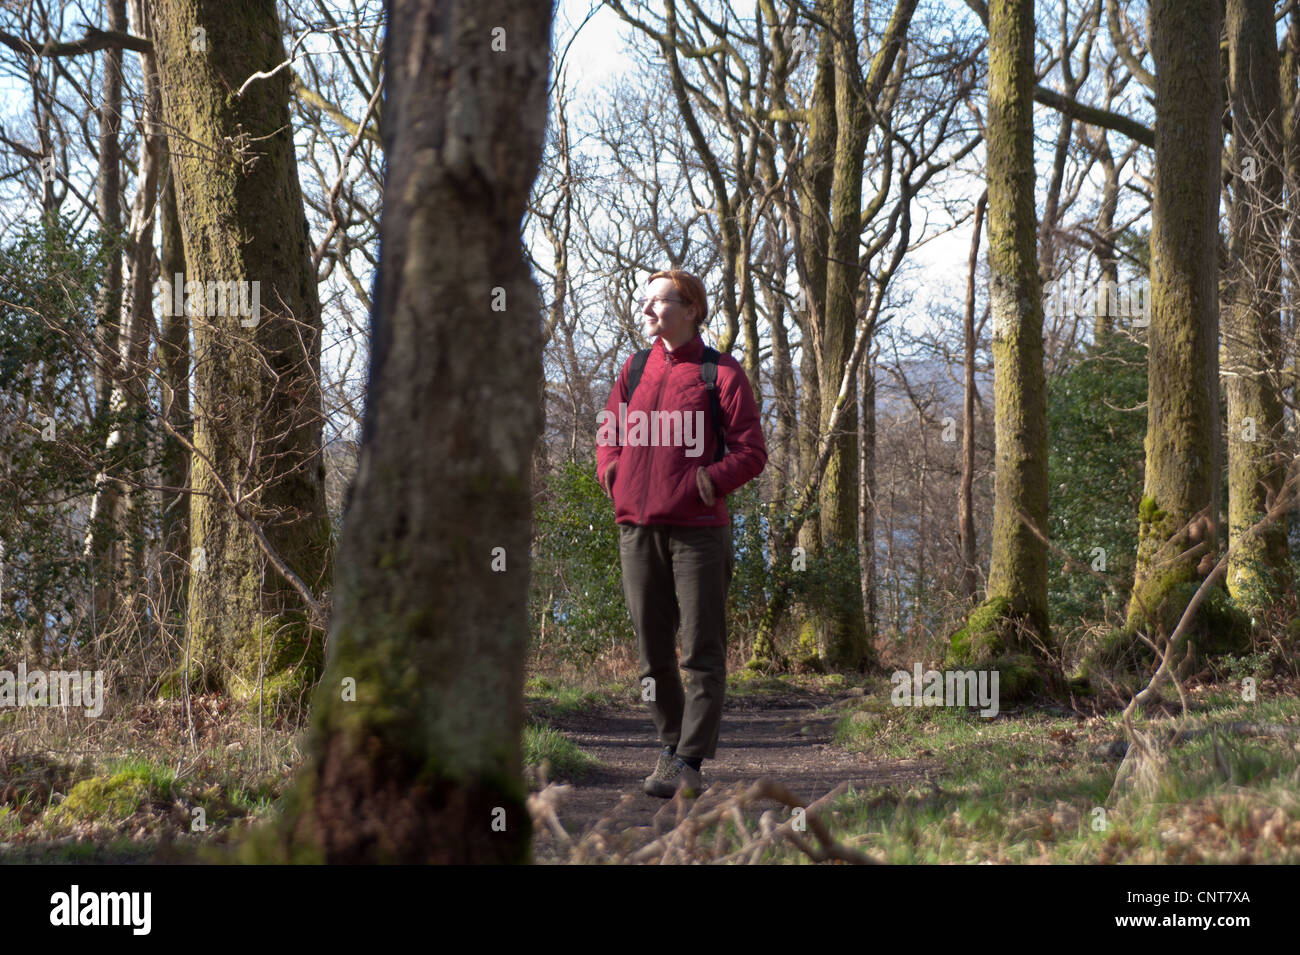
136	781
1023	787
567	760
256	798
160	779
117	851
745	683
1029	788
547	697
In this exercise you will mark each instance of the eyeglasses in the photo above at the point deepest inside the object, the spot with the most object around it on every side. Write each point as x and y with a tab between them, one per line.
646	301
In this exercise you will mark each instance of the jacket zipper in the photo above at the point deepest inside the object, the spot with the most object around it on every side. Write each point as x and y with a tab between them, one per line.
645	493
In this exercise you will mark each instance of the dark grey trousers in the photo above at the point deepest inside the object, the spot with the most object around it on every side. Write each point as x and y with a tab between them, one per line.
678	576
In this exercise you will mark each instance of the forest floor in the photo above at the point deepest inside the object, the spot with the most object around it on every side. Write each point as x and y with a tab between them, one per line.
1040	782
772	728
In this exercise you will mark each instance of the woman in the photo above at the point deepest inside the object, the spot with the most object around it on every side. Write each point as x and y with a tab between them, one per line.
668	484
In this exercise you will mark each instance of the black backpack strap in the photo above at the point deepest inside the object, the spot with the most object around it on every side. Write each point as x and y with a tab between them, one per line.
634	373
709	375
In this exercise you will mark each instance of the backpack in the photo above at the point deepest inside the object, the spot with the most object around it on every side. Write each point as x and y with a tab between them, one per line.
708	375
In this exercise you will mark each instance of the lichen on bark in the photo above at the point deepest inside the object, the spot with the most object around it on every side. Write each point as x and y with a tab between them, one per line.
258	415
1014	617
1177	529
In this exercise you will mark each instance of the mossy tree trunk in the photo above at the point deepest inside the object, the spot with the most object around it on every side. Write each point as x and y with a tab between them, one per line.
866	493
966	488
783	470
839	629
430	614
733	258
847	645
256	400
1013	620
1290	73
786	471
1252	332
1176	531
813	188
173	351
1291	147
119	510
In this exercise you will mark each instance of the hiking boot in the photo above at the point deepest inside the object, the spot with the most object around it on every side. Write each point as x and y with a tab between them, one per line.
667	780
661	768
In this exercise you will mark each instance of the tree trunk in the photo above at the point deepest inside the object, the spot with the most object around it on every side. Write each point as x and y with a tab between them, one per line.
431	616
1050	227
1104	246
783	471
867	493
116	542
104	551
846	644
1176	530
1013	618
1252	333
173	353
138	330
965	491
257	472
840	626
1290	70
814	176
728	227
108	306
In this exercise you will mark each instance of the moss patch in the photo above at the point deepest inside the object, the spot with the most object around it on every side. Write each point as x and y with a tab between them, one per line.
992	640
985	635
1219	627
805	644
113	798
1148	513
289	655
1020	678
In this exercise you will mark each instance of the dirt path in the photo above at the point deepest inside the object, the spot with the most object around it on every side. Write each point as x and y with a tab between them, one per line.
778	735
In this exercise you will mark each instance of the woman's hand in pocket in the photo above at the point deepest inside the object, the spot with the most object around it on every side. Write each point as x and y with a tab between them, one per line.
705	484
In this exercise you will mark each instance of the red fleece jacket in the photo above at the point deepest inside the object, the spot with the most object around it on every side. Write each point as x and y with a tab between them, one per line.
659	454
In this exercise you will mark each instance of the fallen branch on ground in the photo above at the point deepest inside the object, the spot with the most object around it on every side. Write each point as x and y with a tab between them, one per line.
679	843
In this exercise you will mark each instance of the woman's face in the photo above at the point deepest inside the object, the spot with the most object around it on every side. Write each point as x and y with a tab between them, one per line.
666	315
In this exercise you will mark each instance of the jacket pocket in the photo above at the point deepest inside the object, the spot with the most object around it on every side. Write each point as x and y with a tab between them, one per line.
688	504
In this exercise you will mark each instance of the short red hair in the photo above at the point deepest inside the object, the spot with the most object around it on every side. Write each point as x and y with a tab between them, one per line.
689	287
